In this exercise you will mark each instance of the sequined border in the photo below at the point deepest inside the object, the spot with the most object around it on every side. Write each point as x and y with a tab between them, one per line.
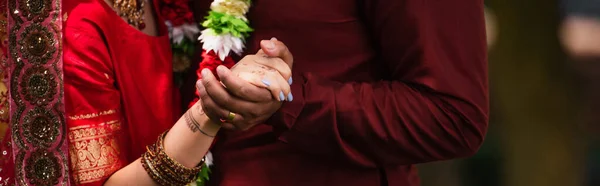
35	58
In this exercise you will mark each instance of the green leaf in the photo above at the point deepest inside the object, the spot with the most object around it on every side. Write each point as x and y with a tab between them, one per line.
226	24
203	175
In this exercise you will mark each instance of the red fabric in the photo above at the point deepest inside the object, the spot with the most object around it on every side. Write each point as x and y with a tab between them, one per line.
378	87
211	61
6	160
118	83
176	11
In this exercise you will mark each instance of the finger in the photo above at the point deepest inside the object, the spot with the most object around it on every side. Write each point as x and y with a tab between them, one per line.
255	80
275	48
285	87
213	110
221	97
241	88
208	106
280	88
273	63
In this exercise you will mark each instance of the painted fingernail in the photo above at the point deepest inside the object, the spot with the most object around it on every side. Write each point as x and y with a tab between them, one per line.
281	96
290	81
290	97
264	81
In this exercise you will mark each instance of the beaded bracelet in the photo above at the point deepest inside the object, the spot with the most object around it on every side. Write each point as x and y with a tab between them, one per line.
163	169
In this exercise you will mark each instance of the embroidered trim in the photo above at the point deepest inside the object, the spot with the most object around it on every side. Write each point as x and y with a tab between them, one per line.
94	151
93	115
35	57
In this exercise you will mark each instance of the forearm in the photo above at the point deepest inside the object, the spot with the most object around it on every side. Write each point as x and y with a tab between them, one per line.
382	123
184	143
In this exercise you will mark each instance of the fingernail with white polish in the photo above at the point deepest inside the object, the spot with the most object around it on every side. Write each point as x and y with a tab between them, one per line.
290	98
264	81
290	81
281	96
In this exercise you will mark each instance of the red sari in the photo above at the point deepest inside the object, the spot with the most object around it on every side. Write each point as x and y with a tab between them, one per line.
118	91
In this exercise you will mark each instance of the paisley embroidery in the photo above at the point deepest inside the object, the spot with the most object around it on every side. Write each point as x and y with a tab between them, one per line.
94	151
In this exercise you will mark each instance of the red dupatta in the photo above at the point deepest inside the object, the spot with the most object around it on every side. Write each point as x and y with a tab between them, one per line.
38	149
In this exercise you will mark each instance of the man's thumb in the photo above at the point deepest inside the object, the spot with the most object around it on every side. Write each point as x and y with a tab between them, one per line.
276	48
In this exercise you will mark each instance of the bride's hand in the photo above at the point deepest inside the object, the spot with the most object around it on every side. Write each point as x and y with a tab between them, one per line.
272	73
251	104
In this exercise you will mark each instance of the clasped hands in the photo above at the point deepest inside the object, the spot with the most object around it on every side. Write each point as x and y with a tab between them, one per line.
251	91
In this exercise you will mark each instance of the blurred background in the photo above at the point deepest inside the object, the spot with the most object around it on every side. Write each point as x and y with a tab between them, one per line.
544	64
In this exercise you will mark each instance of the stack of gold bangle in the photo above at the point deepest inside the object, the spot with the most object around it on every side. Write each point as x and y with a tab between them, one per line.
163	169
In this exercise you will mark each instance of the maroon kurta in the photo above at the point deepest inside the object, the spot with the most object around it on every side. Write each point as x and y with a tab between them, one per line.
379	85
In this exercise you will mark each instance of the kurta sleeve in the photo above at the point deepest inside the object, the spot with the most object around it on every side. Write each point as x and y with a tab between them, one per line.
92	105
433	106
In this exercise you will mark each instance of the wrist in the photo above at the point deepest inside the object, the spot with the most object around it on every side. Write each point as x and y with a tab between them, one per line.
206	125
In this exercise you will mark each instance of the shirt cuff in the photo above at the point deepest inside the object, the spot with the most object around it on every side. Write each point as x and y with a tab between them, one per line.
285	117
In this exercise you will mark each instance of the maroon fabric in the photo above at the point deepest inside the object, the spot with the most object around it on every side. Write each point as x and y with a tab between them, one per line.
379	86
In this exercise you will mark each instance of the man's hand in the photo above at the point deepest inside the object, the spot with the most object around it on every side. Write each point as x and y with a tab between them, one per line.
251	104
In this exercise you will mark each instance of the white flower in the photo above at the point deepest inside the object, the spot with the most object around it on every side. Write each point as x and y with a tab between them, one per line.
208	159
221	44
236	8
169	28
186	30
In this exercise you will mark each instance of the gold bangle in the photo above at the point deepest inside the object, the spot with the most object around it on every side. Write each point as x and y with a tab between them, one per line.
174	164
163	169
152	172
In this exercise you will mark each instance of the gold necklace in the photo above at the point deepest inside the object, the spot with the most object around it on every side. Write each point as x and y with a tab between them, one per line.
131	11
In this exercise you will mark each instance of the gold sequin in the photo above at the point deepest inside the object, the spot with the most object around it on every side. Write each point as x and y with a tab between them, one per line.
34	46
37	44
43	168
35	10
41	127
38	85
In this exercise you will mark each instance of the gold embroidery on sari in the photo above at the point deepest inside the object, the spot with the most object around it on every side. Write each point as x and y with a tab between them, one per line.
94	151
93	115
